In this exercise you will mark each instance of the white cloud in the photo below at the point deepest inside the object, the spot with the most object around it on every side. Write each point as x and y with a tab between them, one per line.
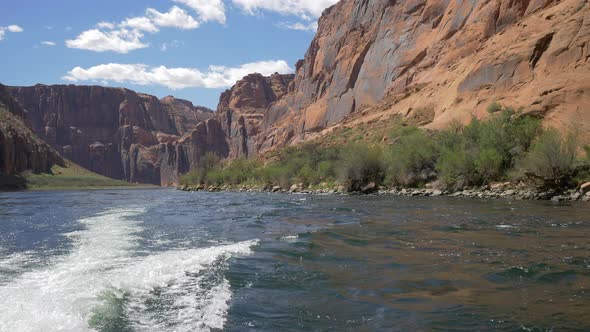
311	27
127	35
208	10
173	44
48	43
139	23
174	78
10	28
14	28
120	41
174	18
102	25
306	9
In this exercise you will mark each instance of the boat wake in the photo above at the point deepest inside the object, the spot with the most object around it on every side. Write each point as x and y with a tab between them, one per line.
104	285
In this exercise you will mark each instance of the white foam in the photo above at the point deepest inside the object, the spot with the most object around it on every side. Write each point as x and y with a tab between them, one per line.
16	261
290	238
503	226
60	297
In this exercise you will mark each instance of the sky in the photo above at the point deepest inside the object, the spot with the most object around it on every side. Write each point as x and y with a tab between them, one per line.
191	49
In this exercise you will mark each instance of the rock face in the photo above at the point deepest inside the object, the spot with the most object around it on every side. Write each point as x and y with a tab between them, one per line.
451	58
242	108
110	131
20	149
432	60
231	133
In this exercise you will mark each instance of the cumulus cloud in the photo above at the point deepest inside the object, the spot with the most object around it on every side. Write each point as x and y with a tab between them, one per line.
310	27
48	43
10	28
120	41
140	24
127	35
105	25
174	78
14	28
174	18
208	10
306	9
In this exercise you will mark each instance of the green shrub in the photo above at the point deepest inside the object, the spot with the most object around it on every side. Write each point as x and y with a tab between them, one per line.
193	177
494	107
361	165
456	167
551	161
485	151
208	162
411	161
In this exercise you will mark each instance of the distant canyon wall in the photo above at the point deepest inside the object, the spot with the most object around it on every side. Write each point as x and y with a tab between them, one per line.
20	149
111	131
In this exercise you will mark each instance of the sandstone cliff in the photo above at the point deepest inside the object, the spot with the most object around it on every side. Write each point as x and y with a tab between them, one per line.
429	61
231	133
20	149
242	108
110	131
448	59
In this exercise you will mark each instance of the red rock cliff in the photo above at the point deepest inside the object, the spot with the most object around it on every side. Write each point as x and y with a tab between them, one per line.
20	149
450	57
229	134
110	131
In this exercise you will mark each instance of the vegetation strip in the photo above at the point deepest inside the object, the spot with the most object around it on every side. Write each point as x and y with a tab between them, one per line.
510	150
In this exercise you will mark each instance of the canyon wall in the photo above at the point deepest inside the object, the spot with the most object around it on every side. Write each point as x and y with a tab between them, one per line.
111	131
20	149
450	58
231	133
437	60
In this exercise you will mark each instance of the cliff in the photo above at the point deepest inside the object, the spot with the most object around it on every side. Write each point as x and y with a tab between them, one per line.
427	62
231	133
110	131
440	59
20	149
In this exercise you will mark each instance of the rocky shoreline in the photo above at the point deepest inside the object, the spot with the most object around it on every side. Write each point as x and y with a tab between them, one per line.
494	191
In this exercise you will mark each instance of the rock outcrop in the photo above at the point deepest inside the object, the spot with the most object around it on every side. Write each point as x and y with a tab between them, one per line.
451	58
242	108
231	133
20	149
111	131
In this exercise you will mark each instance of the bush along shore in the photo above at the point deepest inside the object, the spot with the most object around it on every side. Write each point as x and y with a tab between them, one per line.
508	155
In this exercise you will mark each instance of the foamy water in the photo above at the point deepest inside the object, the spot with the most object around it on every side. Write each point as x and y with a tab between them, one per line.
103	281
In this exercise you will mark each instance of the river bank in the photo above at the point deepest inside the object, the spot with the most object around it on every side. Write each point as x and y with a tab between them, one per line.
493	191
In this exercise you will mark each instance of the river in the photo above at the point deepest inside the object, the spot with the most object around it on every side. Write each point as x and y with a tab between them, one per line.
164	260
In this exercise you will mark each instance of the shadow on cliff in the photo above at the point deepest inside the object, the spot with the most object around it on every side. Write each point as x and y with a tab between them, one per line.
12	182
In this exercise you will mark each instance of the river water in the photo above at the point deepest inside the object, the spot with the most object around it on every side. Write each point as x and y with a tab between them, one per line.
163	260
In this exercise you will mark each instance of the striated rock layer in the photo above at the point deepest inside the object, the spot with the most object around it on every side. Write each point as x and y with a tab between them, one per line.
20	149
231	133
111	131
446	58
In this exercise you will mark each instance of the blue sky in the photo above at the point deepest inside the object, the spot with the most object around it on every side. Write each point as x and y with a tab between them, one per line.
192	49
